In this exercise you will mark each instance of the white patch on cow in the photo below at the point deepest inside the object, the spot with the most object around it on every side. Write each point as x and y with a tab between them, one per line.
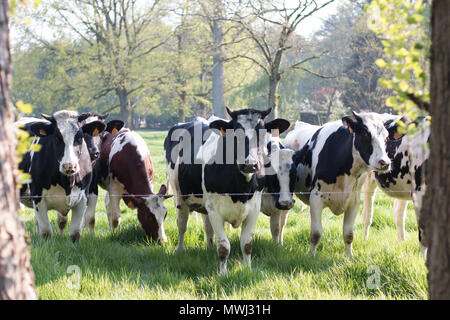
374	124
281	162
156	206
124	137
56	198
233	212
67	122
300	135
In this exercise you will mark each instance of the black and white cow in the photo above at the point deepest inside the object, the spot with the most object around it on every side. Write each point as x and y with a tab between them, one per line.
277	198
404	181
89	219
61	172
333	164
216	172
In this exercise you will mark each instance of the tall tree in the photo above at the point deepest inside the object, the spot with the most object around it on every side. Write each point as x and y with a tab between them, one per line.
120	34
435	214
16	275
272	25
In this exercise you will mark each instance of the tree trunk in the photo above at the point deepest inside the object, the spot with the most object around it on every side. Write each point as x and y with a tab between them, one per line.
217	71
16	275
125	107
273	97
435	217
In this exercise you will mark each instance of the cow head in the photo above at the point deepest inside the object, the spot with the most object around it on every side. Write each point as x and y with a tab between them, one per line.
93	141
249	132
370	137
66	131
282	180
152	213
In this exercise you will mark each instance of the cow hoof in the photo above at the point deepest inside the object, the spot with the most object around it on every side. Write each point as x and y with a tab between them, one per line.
75	237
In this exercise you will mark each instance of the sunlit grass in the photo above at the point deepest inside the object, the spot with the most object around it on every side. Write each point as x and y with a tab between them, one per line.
125	265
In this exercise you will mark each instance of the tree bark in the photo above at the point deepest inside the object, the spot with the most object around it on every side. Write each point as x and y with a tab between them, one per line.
16	275
217	70
435	213
273	97
125	107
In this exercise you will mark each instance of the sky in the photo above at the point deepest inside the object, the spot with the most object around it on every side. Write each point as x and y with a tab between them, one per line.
306	28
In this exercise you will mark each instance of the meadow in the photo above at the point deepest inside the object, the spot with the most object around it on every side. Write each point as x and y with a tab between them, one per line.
124	264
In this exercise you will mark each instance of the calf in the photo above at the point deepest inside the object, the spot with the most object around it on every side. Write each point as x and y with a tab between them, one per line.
408	154
61	171
215	172
126	172
333	164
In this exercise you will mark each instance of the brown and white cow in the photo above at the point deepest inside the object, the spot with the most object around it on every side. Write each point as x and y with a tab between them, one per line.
126	172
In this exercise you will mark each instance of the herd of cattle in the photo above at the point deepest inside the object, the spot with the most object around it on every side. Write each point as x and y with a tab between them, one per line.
228	170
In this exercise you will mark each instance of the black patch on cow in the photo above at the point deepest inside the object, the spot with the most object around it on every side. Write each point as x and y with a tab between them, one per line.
335	158
386	179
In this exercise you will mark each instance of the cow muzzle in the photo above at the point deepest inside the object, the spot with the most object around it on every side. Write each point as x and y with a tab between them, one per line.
285	205
69	168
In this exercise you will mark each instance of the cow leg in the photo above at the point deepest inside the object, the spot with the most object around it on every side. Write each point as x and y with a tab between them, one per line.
209	232
275	226
283	219
399	217
62	222
115	191
44	227
315	210
349	223
248	226
369	189
78	212
222	242
182	222
89	217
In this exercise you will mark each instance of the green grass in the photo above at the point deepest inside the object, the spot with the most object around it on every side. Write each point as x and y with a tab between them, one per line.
125	265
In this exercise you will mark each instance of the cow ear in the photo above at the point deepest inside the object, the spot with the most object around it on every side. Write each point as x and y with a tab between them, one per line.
48	117
42	129
84	116
230	112
94	128
221	125
277	124
350	123
103	117
266	113
114	126
163	192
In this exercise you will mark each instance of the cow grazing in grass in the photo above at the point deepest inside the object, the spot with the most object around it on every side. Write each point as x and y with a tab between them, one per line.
61	172
126	172
216	172
333	164
408	154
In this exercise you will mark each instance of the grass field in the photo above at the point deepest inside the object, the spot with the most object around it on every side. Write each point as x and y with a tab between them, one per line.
124	265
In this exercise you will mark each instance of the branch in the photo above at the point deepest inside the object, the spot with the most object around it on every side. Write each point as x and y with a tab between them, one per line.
423	105
316	74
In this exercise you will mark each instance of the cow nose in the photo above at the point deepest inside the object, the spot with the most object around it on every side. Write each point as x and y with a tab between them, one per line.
287	204
383	164
69	167
96	155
